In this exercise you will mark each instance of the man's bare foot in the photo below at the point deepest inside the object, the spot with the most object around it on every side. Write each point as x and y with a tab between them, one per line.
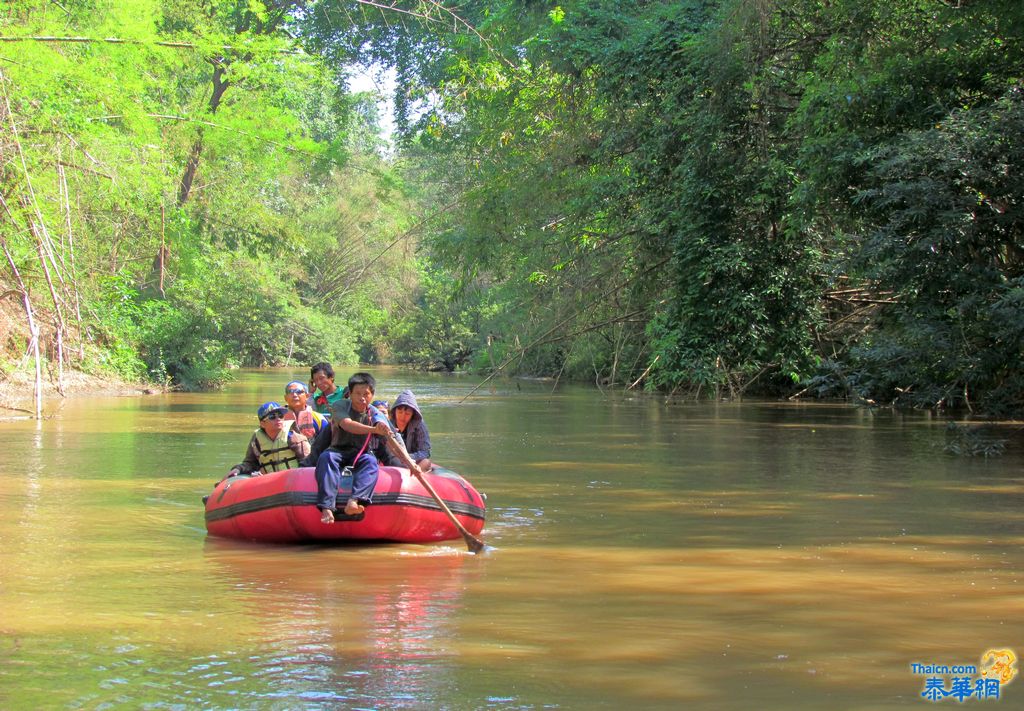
327	516
353	507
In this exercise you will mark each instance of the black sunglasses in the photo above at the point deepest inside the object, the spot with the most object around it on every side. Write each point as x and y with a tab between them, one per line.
273	416
295	391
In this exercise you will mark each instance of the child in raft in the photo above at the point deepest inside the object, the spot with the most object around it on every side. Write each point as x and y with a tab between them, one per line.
353	424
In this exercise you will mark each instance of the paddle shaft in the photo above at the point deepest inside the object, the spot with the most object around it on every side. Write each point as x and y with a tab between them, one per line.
474	544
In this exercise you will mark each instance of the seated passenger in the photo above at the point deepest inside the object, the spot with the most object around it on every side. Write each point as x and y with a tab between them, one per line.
321	377
353	426
273	447
405	413
308	421
322	441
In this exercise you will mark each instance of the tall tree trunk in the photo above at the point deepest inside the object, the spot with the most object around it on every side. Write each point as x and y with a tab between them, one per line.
220	85
246	23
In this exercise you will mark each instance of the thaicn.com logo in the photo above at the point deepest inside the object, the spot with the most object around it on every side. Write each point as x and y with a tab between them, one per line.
984	681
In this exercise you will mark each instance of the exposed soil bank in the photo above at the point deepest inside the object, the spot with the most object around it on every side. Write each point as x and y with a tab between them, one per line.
17	389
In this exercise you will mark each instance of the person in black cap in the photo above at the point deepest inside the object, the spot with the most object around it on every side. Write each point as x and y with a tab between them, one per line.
274	446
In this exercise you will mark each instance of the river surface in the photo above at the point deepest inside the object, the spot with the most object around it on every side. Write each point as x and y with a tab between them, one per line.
642	555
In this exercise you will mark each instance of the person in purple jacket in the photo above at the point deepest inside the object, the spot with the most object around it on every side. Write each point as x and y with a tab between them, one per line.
408	420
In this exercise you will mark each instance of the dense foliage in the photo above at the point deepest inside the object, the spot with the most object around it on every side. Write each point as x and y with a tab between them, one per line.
207	194
725	196
704	196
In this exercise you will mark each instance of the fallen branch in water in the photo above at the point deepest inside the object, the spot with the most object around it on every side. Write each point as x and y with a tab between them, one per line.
644	374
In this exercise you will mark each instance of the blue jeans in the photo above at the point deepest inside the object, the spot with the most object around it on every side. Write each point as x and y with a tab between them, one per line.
328	477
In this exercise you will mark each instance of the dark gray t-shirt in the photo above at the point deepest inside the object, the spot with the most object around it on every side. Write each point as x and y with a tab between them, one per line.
346	442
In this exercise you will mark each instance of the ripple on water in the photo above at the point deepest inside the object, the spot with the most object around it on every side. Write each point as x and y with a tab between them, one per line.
651	557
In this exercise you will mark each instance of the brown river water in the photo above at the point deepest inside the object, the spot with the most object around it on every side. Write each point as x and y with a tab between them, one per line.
754	555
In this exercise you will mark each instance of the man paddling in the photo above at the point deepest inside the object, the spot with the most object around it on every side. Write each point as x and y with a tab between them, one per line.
353	425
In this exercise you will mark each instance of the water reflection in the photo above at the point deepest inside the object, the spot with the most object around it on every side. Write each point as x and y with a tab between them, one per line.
346	624
727	556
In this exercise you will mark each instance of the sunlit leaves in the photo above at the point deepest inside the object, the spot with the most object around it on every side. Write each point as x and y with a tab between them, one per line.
124	117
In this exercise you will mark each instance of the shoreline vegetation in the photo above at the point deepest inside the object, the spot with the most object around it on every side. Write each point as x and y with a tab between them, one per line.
967	435
717	199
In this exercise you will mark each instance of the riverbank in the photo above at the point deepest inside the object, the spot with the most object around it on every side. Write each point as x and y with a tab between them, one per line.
17	388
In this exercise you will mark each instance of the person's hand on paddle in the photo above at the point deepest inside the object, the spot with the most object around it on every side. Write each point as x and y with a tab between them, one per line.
397	446
381	429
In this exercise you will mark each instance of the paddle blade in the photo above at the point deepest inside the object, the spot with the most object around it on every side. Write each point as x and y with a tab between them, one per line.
474	544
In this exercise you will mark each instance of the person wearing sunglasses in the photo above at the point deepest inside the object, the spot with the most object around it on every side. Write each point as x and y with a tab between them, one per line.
307	421
274	446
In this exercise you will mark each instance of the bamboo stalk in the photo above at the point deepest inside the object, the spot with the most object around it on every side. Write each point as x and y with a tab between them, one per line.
60	361
615	357
71	254
57	303
163	248
39	369
51	254
21	154
108	40
62	199
32	328
38	229
75	166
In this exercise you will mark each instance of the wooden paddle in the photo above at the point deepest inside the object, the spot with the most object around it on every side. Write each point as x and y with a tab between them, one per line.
397	447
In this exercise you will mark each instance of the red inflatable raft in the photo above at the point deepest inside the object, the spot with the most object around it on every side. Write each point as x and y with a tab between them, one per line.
281	507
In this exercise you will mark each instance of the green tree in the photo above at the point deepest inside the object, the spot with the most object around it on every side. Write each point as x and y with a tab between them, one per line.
196	285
